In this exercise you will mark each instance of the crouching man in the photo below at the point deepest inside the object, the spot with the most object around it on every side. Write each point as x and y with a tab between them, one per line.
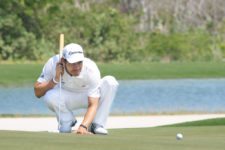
81	87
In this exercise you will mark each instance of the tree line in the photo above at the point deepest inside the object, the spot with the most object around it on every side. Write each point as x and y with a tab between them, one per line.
114	30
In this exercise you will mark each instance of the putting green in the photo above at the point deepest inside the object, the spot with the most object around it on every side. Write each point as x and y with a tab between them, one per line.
200	138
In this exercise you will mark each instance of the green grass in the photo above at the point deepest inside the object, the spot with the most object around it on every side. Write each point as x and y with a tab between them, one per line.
17	74
165	71
200	135
195	137
207	122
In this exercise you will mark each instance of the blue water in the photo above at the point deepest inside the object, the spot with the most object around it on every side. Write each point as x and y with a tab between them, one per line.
136	96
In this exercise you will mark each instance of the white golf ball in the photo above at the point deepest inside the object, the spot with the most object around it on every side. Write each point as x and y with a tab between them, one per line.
179	136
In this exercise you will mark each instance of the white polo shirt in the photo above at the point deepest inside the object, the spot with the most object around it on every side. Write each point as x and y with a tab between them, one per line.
88	80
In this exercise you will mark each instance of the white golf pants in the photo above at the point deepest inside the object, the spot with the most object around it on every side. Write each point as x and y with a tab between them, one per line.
70	101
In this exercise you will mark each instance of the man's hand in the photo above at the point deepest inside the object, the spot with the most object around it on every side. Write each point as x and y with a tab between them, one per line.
59	70
83	130
89	116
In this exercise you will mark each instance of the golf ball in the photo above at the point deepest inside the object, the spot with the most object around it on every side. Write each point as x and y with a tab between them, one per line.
179	136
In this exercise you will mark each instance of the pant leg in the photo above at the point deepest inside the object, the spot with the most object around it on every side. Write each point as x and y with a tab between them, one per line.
108	88
68	102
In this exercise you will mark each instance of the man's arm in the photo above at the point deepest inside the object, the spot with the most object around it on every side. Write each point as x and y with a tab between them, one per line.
41	88
89	116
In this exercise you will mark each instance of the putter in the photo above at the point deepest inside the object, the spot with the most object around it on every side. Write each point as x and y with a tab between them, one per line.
61	45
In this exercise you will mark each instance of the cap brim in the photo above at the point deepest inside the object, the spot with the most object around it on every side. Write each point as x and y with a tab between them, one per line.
75	58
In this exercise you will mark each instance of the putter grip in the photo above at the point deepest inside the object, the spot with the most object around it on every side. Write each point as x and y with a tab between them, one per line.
61	44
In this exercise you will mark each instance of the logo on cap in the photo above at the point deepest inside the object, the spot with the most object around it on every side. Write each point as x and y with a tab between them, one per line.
71	53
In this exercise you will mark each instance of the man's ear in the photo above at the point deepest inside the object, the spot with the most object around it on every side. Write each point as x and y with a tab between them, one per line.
63	61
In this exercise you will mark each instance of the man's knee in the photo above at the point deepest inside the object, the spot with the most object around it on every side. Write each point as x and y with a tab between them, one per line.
108	87
110	81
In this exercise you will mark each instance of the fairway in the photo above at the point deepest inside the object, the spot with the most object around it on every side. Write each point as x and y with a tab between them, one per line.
200	138
17	74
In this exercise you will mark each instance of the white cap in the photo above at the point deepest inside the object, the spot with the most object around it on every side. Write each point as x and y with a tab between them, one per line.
73	53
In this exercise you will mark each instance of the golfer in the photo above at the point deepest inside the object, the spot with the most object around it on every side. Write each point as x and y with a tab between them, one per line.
81	87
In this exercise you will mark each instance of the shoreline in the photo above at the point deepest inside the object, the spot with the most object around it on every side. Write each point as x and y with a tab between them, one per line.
38	124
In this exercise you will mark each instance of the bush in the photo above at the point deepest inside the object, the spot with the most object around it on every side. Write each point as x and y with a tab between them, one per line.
107	30
190	46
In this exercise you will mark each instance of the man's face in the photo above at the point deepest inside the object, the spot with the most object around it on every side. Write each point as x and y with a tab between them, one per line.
74	69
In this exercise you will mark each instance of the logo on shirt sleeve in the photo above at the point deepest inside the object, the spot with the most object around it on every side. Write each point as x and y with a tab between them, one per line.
42	76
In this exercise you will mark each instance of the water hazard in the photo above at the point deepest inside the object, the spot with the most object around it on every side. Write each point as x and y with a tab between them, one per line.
135	97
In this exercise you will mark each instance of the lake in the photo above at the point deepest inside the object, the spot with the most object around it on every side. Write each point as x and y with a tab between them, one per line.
135	97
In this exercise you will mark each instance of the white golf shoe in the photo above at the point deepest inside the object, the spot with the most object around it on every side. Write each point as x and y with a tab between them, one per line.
98	129
66	127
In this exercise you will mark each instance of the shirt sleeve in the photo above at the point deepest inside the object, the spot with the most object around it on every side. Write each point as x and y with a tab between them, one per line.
48	71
